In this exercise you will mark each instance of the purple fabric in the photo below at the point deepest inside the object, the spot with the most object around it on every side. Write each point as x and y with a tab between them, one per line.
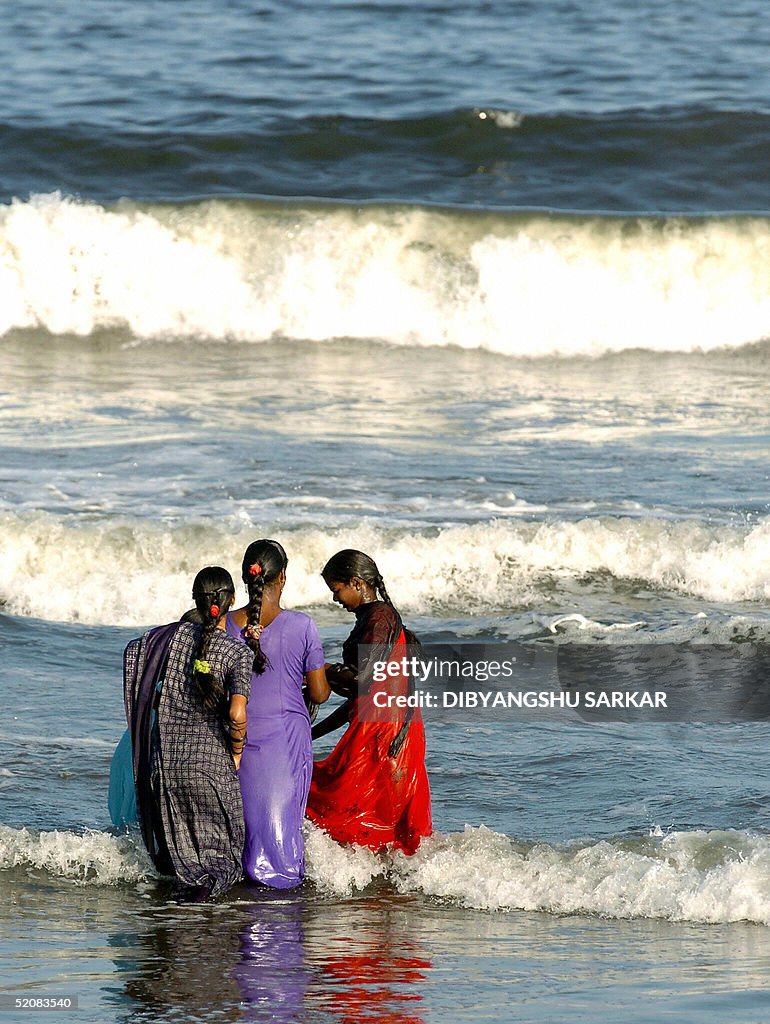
277	761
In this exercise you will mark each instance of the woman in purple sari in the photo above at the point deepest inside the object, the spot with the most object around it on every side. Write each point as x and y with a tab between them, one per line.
277	762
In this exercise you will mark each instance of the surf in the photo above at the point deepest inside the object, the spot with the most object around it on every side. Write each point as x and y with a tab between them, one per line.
518	284
708	876
473	568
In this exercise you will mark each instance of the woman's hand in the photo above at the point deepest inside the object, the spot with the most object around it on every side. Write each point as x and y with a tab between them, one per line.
342	680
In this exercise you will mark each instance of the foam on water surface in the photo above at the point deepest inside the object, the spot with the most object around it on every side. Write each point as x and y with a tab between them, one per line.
713	877
470	568
706	876
85	858
521	285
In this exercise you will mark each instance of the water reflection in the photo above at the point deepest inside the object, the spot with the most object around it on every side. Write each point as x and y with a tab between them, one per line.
366	966
271	973
271	956
183	967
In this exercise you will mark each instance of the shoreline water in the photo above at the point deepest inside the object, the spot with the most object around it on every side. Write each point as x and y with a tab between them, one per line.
480	499
548	427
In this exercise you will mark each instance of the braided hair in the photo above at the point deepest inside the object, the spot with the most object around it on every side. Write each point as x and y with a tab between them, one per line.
263	563
213	593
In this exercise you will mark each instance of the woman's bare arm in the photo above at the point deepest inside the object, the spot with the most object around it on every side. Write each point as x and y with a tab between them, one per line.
318	685
237	723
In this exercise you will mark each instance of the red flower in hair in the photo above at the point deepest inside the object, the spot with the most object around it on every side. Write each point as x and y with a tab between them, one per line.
255	569
214	610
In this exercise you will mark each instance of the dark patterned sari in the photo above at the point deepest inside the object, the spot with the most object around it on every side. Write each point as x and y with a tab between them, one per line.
188	795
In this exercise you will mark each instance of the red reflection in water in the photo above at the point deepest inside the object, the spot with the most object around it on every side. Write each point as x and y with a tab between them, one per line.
373	987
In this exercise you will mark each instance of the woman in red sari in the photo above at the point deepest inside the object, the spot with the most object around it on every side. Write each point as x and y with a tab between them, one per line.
373	788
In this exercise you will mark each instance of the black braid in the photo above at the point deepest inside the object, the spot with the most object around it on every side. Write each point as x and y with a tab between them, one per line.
263	563
256	587
379	586
213	593
208	688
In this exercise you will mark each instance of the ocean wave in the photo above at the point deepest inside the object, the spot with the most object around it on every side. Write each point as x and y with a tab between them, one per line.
89	858
680	158
713	877
48	563
520	285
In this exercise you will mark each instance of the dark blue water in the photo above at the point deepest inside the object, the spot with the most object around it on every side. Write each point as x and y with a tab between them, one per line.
558	105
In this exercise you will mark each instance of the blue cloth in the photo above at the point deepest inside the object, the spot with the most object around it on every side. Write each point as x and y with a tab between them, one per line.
122	795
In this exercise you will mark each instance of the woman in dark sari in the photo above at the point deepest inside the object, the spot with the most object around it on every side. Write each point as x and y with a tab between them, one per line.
185	687
373	788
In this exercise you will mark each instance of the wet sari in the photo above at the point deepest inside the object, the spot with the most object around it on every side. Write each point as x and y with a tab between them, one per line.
373	788
187	790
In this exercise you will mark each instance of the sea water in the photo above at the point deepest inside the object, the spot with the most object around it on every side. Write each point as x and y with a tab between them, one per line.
482	290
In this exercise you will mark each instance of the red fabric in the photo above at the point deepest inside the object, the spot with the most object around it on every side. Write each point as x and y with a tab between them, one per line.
360	795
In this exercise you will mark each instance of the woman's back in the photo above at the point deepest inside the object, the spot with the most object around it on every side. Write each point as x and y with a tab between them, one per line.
186	686
278	758
190	733
290	644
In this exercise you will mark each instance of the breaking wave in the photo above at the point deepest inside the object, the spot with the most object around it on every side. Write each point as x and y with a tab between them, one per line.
706	876
713	877
90	858
512	283
47	562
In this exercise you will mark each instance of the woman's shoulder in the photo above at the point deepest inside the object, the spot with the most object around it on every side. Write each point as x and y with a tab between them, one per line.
184	637
231	654
226	643
186	628
295	627
291	619
376	621
380	611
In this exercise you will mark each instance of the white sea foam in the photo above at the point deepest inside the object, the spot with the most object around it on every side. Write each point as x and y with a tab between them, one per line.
576	621
336	869
526	285
713	877
86	858
62	569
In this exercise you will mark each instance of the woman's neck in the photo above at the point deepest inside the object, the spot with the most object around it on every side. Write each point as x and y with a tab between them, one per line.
366	606
271	609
